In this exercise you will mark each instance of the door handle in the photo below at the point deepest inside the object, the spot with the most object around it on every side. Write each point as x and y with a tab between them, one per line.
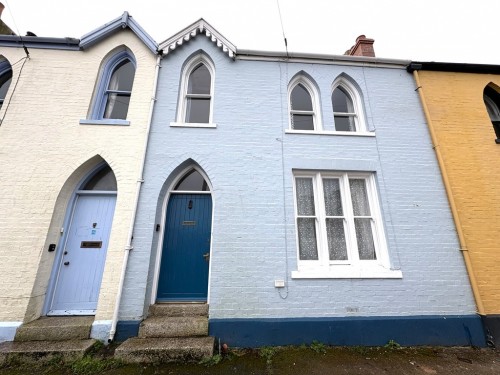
207	256
66	263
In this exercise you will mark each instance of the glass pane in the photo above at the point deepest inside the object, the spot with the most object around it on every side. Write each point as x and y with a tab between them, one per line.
5	80
301	99
305	196
341	101
199	81
117	106
302	122
336	239
198	110
364	237
122	78
344	123
192	181
307	239
333	203
359	197
102	180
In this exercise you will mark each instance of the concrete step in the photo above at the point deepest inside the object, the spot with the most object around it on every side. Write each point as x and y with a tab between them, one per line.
161	350
175	326
178	309
35	351
59	328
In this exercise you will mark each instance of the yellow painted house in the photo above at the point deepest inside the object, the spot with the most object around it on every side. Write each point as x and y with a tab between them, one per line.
462	106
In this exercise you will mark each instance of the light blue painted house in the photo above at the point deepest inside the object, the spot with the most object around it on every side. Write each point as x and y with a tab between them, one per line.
298	195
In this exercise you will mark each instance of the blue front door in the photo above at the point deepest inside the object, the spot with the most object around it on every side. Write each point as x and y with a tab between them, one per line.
186	248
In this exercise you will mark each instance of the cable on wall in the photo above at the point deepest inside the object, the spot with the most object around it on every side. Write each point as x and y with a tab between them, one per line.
15	86
281	140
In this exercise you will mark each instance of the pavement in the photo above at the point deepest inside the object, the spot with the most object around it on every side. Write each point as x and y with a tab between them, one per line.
316	359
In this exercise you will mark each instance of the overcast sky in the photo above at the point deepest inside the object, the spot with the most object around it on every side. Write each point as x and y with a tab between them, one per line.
437	30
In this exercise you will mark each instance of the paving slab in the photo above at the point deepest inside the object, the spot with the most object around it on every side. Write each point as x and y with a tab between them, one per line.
162	350
60	328
178	309
44	350
164	326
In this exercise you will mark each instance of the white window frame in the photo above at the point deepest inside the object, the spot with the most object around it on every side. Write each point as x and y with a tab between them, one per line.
353	267
316	112
358	114
183	95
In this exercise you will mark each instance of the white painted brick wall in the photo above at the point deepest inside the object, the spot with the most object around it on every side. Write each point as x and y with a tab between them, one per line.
42	144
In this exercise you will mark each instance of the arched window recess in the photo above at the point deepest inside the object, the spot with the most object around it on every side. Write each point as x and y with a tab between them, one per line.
101	182
347	107
491	99
191	181
304	105
114	91
196	94
5	79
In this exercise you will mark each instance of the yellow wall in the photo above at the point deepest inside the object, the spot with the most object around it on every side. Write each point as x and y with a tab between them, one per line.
471	159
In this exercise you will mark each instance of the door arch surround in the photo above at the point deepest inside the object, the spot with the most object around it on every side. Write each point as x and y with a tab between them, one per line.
179	174
78	266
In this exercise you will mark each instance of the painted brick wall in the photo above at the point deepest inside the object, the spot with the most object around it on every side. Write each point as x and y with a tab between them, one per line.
41	145
466	140
253	229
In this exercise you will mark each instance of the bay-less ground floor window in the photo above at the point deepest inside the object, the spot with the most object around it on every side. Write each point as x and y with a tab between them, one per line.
339	226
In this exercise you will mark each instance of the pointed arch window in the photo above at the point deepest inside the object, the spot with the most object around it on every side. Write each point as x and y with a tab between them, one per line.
114	91
116	98
303	102
5	80
196	94
103	180
347	108
492	102
192	181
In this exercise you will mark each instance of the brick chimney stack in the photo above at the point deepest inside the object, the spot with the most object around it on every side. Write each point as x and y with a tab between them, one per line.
363	47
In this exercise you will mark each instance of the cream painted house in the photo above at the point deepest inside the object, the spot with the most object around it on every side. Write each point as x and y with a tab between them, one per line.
75	117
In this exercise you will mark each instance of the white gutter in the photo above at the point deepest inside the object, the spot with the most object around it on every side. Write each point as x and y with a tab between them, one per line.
140	180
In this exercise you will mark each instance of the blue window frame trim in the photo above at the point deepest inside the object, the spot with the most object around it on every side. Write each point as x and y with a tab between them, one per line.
99	106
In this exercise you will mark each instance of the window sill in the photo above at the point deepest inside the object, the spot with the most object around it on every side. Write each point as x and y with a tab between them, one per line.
347	272
105	122
330	132
193	125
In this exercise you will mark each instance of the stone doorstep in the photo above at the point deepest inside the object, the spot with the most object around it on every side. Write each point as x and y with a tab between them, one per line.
165	326
158	350
60	328
44	350
178	309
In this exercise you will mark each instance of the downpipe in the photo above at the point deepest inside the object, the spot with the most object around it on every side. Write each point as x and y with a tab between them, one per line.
140	180
451	200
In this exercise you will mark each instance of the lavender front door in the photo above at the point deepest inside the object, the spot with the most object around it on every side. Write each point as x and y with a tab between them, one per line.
83	255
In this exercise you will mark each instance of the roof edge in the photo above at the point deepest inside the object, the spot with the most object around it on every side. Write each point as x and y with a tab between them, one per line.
361	60
122	22
196	28
40	42
453	67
